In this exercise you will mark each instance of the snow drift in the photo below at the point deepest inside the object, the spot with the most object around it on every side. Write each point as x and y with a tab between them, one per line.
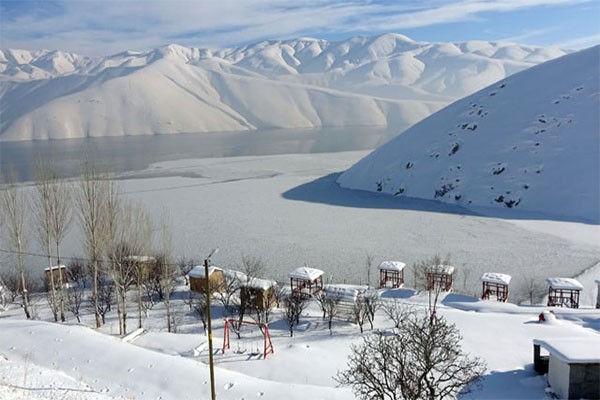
530	142
299	83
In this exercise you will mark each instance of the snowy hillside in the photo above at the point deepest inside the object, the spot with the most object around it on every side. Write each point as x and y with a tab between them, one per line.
530	142
300	83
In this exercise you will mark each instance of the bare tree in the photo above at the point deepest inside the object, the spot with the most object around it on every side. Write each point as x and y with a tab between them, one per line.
166	267
91	197
228	296
197	303
52	211
531	286
422	360
14	207
359	312
294	306
332	309
369	261
397	312
76	273
321	300
75	295
42	213
371	304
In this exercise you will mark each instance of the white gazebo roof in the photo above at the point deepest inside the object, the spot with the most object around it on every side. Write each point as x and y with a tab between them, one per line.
306	273
392	266
198	271
564	283
441	269
579	350
495	277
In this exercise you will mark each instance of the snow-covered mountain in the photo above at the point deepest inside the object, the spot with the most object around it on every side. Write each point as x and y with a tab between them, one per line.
530	142
388	79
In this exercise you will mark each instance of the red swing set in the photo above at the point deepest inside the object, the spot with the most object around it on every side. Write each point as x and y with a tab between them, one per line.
264	328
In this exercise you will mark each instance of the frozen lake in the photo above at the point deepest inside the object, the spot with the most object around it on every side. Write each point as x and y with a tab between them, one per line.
131	153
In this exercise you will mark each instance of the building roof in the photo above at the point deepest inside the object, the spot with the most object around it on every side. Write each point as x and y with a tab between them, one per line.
579	350
441	269
495	277
55	267
306	273
140	258
564	283
341	293
198	271
257	283
392	266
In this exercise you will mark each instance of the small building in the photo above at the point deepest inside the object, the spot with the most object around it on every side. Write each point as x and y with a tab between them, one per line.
58	272
391	274
258	294
306	281
440	276
572	365
197	279
143	265
564	292
495	285
598	294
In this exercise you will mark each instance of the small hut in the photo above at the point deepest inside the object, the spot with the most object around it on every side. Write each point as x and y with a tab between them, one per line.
306	281
142	264
495	285
258	294
197	279
440	276
56	273
391	274
571	364
598	294
564	292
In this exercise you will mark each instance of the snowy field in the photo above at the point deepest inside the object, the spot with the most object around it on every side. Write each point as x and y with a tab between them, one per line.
289	211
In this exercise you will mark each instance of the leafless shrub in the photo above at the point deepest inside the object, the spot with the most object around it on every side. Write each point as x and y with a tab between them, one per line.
422	360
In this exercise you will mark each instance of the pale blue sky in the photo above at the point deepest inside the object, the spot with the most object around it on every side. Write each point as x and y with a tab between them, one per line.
92	27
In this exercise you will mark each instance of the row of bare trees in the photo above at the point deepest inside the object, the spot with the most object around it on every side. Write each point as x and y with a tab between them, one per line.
115	233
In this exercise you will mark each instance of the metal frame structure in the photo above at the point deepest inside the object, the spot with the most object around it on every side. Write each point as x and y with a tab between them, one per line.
267	344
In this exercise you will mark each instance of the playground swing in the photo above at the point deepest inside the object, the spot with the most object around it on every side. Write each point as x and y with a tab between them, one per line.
250	344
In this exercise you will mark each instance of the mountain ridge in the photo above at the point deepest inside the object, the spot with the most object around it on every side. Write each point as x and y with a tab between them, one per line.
298	83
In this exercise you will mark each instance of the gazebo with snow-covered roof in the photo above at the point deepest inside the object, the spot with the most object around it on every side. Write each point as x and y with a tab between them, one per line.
564	292
391	274
440	276
495	285
306	281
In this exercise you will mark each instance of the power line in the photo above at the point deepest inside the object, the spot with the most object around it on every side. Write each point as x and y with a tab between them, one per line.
87	260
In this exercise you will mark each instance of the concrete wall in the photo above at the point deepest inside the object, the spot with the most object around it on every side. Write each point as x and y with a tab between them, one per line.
558	377
585	381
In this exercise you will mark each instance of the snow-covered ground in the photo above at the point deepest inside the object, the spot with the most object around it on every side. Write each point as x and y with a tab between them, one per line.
43	360
289	211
